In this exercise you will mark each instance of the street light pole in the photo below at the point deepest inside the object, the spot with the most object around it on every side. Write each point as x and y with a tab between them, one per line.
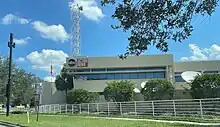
11	45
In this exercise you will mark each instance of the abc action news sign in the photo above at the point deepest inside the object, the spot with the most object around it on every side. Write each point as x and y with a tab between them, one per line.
80	62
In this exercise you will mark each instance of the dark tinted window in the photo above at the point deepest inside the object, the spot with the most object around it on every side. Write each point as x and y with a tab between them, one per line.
159	75
98	70
122	69
210	72
178	73
179	79
110	76
83	70
118	76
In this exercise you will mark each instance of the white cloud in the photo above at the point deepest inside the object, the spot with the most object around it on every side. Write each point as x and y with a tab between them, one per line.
49	79
90	9
22	41
42	60
53	32
10	19
211	53
20	59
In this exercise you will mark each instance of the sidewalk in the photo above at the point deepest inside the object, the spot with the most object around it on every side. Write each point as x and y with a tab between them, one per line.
3	124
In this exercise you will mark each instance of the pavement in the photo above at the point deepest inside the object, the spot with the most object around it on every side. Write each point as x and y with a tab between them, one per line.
3	124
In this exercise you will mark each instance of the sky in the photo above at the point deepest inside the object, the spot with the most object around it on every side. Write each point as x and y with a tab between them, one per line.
42	32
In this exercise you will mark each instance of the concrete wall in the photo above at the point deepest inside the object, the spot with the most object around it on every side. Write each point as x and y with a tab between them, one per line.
131	61
197	66
50	95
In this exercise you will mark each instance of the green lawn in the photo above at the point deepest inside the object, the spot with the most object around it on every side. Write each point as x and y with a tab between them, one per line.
79	121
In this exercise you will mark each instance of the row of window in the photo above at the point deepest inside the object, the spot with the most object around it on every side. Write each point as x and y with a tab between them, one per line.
118	76
205	72
120	69
180	79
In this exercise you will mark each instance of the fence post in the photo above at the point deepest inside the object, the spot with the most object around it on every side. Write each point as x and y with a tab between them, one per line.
60	109
66	108
97	107
135	107
152	103
108	108
72	108
174	108
80	106
120	108
54	109
201	111
50	108
88	109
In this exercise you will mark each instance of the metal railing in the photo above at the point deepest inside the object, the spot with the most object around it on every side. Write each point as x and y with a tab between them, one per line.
186	107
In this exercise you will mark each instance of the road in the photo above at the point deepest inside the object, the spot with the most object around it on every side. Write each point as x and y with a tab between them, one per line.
7	125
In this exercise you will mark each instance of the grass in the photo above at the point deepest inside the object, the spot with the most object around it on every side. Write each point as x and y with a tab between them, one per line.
206	119
79	121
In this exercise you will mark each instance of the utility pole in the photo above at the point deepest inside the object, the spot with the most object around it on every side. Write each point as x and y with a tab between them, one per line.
11	45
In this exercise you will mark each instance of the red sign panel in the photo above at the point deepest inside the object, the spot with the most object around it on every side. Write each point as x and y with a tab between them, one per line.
82	62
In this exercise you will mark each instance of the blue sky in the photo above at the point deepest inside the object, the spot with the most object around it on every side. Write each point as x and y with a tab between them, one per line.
41	29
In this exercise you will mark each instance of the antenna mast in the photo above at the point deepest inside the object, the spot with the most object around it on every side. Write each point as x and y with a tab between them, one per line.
75	28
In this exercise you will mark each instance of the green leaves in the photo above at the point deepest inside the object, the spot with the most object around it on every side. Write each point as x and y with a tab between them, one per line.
155	22
78	96
206	86
158	89
64	82
119	91
21	84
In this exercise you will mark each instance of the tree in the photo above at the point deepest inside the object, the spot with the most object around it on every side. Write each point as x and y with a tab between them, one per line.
4	65
205	86
22	90
64	82
157	89
155	22
21	83
119	91
78	96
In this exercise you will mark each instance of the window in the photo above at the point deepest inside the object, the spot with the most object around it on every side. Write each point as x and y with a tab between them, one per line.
149	75
210	72
141	75
179	79
159	75
110	76
83	70
178	73
122	69
98	70
133	76
136	69
126	76
120	76
152	68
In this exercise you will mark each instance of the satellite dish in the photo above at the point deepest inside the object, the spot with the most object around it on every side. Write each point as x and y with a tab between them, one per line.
143	84
188	76
136	90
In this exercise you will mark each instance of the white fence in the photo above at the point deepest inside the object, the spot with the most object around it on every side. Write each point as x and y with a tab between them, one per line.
187	107
3	110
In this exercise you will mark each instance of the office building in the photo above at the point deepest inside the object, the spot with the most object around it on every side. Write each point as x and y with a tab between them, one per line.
92	73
